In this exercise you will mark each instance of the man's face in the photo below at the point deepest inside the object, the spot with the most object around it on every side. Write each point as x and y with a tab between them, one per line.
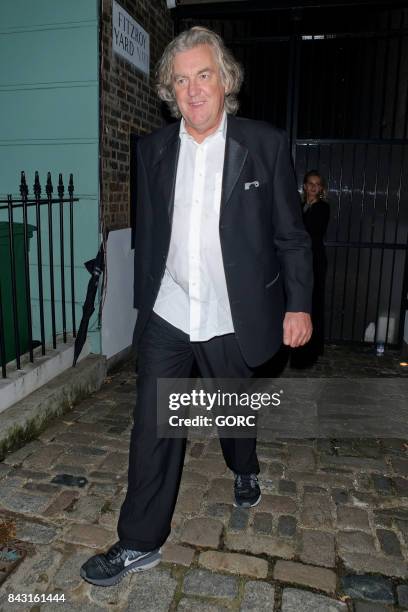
199	91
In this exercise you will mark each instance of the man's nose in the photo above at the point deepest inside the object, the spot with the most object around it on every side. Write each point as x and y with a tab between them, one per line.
192	88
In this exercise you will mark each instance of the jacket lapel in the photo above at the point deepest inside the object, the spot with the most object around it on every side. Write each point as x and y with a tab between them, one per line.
235	157
165	169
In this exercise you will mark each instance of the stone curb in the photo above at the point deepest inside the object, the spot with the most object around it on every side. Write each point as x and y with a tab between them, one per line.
26	419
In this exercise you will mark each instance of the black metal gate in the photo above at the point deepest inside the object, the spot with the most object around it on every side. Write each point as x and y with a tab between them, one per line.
336	78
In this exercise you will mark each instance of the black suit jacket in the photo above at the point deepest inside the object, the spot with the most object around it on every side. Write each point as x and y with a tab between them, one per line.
265	248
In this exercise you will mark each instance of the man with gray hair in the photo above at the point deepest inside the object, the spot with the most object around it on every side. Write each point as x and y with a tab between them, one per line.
222	275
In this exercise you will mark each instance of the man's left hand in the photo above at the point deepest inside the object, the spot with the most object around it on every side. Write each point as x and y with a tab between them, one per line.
297	328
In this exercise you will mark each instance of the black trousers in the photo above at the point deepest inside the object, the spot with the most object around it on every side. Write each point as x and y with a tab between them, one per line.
156	464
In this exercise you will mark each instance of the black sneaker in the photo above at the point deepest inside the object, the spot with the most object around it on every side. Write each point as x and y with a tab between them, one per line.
246	490
109	568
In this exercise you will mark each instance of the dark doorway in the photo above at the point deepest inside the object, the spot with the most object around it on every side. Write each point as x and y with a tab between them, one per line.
336	78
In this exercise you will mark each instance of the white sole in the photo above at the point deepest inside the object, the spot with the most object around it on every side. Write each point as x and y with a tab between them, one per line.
251	506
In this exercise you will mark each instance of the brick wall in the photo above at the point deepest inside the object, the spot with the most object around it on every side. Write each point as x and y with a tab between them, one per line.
128	103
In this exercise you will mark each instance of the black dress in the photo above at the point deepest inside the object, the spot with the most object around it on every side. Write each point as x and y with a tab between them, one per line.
315	218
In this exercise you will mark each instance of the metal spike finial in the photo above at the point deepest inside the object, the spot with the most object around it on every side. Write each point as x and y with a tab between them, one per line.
71	185
37	186
49	188
23	185
60	186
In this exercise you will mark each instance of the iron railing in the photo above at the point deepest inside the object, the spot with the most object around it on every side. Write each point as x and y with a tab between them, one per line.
24	282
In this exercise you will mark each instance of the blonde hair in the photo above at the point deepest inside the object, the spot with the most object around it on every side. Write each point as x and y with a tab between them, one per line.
323	183
231	71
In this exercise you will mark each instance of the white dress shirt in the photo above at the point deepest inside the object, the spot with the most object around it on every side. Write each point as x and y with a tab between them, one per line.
193	294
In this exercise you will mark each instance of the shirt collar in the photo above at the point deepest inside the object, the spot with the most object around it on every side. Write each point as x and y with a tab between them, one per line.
221	129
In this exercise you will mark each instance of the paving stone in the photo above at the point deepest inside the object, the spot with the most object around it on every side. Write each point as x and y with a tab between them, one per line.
306	575
63	501
174	553
234	563
402	593
349	517
364	606
358	463
78	470
42	487
107	489
275	470
397	512
313	489
372	588
297	600
92	536
400	466
193	478
26	503
53	431
36	533
376	564
208	465
258	597
204	532
320	478
25	451
287	526
220	491
262	523
207	584
340	496
94	450
72	438
67	577
274	453
301	458
81	461
152	591
401	486
403	529
317	548
382	484
109	520
239	519
35	573
389	542
189	500
355	541
197	449
189	604
258	545
287	486
220	511
316	511
279	504
44	457
87	508
115	462
110	596
4	470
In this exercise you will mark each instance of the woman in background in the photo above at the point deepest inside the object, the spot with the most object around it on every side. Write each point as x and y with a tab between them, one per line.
316	214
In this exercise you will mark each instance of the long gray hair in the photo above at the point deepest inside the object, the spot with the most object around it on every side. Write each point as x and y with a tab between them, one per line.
231	71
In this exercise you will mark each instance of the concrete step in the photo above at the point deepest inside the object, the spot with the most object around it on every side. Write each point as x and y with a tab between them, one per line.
27	418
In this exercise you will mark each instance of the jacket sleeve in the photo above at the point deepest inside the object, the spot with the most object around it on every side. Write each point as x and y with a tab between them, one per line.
143	230
291	240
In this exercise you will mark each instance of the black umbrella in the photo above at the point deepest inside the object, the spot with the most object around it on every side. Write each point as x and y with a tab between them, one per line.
95	268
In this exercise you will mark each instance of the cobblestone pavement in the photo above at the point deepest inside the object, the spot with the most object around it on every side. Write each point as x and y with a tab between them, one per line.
330	533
